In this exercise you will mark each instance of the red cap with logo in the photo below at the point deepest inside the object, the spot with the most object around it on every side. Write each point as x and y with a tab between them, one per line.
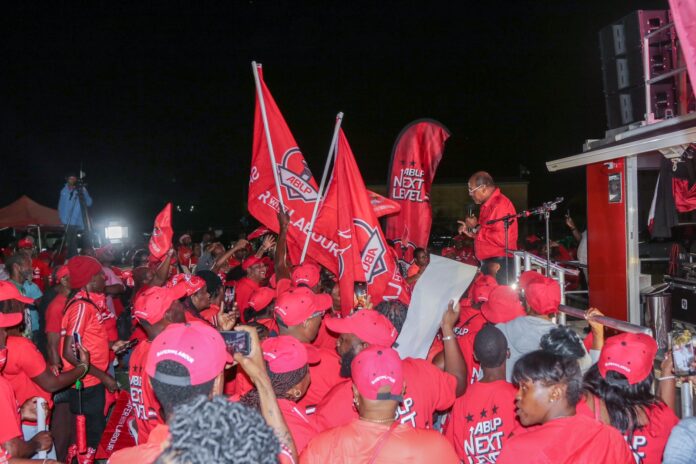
261	297
305	274
8	291
543	295
368	325
285	354
153	303
632	355
189	283
482	288
299	304
62	272
373	368
251	261
526	278
503	305
82	269
196	345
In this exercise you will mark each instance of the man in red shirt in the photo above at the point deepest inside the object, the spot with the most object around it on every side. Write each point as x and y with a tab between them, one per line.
84	316
483	418
489	239
255	274
428	388
155	309
375	435
54	315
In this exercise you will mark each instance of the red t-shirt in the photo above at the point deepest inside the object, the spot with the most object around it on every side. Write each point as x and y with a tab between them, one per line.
471	321
146	453
54	313
325	375
490	240
24	362
40	271
357	441
211	315
143	398
428	389
244	288
300	427
649	441
9	412
481	420
567	440
325	339
87	320
184	255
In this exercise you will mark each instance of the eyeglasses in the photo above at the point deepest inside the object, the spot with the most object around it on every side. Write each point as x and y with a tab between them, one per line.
475	189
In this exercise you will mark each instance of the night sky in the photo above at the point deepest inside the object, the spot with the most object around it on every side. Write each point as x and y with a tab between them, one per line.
156	101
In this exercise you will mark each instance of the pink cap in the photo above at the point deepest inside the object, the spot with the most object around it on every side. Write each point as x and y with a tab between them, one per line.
373	368
632	355
196	345
368	325
503	305
526	278
11	319
285	354
305	274
543	295
251	261
482	288
153	303
261	297
188	282
299	304
9	292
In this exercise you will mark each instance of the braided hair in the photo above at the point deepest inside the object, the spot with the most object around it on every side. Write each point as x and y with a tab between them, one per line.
281	384
205	431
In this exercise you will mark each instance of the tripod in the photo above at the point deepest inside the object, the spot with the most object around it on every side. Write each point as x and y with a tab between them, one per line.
86	220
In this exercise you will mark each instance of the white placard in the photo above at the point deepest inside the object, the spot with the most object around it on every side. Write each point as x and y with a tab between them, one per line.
443	280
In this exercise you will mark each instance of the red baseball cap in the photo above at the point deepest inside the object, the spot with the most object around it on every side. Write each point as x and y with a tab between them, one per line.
299	304
106	250
368	325
375	367
285	354
503	305
543	295
11	319
258	232
306	274
82	269
482	288
196	345
62	272
251	261
632	355
151	304
8	291
526	278
261	297
25	243
188	282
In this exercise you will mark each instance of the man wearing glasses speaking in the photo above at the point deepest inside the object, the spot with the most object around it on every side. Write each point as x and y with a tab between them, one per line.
489	239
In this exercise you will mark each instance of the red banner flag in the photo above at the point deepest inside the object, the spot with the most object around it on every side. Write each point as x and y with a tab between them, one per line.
381	205
416	155
117	434
364	255
162	233
297	185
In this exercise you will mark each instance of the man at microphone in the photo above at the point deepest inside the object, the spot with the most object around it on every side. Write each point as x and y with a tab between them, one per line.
489	239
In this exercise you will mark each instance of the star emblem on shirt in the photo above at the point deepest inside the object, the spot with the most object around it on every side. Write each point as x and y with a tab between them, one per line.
484	413
495	409
403	162
469	418
412	163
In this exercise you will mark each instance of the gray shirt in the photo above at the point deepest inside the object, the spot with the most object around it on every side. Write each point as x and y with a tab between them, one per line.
523	336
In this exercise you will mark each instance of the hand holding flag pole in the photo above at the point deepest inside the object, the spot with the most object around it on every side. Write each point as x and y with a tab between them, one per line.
329	157
262	105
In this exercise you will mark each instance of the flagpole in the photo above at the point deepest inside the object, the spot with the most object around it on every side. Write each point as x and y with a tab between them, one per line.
331	154
262	106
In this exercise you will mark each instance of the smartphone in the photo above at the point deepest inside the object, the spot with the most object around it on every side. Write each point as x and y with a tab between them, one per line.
229	298
683	344
77	341
237	342
127	346
360	294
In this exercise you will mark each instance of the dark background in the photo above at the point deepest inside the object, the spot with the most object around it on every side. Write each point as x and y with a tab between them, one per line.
156	101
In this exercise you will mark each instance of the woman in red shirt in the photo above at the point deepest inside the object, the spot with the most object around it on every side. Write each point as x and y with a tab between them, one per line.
618	393
549	387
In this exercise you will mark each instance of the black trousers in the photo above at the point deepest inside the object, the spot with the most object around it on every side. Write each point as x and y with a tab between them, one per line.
71	240
506	273
93	399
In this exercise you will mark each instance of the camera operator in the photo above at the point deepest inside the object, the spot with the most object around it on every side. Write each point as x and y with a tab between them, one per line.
70	211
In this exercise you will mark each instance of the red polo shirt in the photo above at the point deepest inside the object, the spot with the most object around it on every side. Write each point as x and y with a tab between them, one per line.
143	398
428	389
490	240
325	375
301	429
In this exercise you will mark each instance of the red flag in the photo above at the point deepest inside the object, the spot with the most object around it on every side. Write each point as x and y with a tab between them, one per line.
416	155
297	185
364	255
117	435
381	205
162	233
